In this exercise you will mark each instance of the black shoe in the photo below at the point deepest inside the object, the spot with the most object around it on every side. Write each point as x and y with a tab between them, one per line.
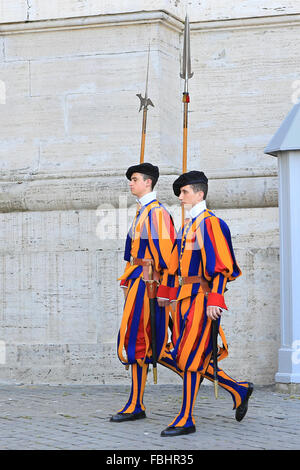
178	430
120	417
242	409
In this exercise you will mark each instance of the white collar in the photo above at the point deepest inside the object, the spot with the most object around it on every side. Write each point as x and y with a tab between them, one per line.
197	209
149	197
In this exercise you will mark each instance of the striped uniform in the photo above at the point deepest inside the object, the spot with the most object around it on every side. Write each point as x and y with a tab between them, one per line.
203	249
151	236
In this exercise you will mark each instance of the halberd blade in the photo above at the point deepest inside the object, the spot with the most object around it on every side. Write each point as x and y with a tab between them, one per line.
145	102
186	71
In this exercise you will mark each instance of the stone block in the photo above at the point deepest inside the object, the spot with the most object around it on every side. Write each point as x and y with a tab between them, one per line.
16	76
98	73
76	42
12	12
18	157
237	130
36	118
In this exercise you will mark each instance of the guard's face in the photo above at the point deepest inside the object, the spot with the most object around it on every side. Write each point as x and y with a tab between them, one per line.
138	186
188	197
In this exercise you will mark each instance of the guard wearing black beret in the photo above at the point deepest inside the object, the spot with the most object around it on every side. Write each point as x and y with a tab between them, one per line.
145	169
204	262
191	177
148	246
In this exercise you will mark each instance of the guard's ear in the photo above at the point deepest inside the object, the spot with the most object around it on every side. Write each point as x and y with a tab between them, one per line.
149	182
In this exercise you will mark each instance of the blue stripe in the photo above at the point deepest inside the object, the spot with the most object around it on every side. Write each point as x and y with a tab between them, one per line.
170	363
210	253
155	238
192	391
226	232
127	248
207	351
138	406
220	285
242	391
182	321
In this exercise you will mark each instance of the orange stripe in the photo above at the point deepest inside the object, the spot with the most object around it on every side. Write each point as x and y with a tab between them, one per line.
132	291
165	243
187	401
188	339
203	344
195	393
184	306
173	368
221	244
132	406
219	265
191	332
144	379
136	236
176	323
167	310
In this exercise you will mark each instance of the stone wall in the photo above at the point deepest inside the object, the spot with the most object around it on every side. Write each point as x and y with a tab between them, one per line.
70	127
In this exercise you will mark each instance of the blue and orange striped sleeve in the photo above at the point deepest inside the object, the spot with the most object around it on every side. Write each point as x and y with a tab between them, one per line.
161	239
169	283
220	266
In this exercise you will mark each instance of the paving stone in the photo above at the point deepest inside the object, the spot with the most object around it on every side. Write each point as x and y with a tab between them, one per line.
77	417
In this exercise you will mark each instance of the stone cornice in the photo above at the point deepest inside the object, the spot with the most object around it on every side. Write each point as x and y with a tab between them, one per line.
18	176
121	19
141	17
246	23
89	193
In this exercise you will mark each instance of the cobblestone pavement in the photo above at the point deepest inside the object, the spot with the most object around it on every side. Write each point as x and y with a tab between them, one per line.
44	417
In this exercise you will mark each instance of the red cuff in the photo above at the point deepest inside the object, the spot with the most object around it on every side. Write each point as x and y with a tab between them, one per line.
173	293
163	291
167	292
124	283
216	300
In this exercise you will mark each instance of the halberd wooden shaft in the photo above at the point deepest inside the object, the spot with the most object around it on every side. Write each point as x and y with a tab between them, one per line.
185	73
143	139
185	133
185	100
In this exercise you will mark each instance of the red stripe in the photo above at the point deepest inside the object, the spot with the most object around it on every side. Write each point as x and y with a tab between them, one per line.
199	330
169	225
186	329
154	216
140	344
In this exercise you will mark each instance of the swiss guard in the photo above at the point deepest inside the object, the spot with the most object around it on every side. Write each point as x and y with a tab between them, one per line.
204	261
148	287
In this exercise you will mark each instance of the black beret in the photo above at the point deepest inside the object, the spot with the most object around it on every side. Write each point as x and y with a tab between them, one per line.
191	177
145	169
